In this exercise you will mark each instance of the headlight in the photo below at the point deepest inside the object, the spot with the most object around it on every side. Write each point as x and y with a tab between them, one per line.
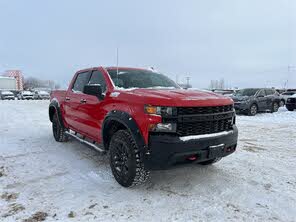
160	110
246	101
163	127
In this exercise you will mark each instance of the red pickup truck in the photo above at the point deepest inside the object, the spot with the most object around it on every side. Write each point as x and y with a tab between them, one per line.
144	120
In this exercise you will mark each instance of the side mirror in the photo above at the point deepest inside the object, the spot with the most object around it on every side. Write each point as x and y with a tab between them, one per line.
94	90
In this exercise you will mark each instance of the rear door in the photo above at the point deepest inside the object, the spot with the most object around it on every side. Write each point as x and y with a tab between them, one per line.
262	100
73	100
270	96
91	109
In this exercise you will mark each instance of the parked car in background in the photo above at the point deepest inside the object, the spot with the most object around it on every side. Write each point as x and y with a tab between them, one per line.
6	95
25	95
291	103
41	95
253	100
285	95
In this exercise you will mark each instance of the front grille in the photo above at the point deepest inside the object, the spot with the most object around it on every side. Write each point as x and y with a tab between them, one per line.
291	100
204	110
204	120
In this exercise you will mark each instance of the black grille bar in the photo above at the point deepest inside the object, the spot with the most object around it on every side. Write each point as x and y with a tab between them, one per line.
204	110
202	120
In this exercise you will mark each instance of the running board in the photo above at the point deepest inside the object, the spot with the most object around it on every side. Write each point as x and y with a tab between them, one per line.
81	140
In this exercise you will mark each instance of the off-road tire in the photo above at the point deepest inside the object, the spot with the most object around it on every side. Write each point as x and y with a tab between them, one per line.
275	107
290	109
282	103
253	110
125	161
58	130
212	161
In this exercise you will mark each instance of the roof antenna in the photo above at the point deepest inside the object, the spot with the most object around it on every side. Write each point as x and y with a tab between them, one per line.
117	58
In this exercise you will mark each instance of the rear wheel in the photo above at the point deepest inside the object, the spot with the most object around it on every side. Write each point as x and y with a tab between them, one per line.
275	107
58	130
282	103
126	164
253	110
211	161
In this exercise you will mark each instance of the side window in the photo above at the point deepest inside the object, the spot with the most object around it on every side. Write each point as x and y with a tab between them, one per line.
261	93
269	92
98	78
81	81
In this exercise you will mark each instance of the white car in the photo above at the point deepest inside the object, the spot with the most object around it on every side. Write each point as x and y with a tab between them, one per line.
285	95
25	95
6	95
41	95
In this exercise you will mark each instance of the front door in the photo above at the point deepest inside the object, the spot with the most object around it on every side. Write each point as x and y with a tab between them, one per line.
72	101
91	111
262	100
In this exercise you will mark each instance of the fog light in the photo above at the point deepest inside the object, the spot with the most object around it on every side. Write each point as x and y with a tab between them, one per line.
163	127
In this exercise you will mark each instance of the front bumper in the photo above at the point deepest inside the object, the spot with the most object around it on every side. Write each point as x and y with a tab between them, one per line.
166	151
241	106
291	105
28	97
8	98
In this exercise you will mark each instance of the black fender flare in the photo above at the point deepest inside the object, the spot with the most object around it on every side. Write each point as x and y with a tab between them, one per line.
129	123
55	105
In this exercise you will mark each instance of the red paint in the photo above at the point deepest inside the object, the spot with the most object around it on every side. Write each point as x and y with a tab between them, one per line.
87	118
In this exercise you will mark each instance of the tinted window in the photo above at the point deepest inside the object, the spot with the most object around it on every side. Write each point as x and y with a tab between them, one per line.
98	78
81	81
246	92
136	78
288	93
269	92
261	93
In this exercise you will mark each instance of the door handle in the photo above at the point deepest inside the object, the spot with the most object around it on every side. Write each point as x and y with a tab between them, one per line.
83	101
67	99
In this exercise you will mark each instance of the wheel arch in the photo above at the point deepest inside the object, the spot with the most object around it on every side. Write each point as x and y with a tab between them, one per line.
254	102
116	120
54	107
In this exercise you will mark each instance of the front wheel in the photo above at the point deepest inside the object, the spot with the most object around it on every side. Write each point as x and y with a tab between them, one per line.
275	107
253	110
58	130
125	161
290	109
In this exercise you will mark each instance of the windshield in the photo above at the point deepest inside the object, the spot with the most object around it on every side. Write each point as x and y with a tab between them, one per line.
246	92
135	78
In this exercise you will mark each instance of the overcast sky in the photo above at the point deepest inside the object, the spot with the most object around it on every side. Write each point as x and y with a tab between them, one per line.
246	42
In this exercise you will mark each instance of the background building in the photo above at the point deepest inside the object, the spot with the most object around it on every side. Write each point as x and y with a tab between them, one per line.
17	74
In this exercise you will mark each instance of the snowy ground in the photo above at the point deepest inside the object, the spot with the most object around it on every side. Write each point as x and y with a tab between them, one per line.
257	183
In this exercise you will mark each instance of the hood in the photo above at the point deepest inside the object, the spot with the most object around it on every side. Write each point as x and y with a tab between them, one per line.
240	98
177	97
7	93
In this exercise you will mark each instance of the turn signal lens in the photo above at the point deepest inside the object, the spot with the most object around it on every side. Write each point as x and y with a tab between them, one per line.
150	109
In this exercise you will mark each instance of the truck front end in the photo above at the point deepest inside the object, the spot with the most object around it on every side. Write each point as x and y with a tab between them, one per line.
191	135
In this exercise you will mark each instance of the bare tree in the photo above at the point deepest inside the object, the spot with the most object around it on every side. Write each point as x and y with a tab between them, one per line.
217	84
32	82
